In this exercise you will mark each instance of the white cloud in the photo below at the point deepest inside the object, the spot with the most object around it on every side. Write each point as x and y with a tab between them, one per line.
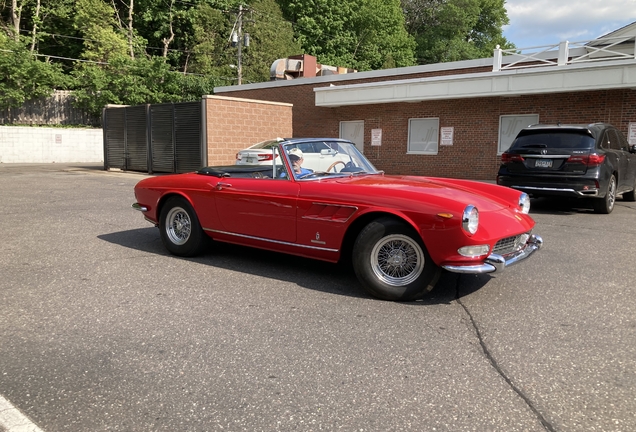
544	22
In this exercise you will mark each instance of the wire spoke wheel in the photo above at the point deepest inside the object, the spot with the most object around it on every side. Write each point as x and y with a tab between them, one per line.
392	262
178	226
397	260
181	231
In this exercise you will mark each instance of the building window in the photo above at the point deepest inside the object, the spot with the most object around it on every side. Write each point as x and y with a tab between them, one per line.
354	132
509	127
423	136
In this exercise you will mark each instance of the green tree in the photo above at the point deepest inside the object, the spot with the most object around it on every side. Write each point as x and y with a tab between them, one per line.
47	27
127	81
451	30
103	34
382	40
271	38
209	50
24	77
362	34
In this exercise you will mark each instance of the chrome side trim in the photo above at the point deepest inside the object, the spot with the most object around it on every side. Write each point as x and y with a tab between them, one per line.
354	208
544	188
496	263
591	192
335	205
271	241
139	207
546	156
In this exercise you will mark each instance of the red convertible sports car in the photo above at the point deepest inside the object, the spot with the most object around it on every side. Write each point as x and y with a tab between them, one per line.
323	199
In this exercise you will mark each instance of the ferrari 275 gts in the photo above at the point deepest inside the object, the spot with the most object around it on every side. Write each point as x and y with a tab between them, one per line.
330	203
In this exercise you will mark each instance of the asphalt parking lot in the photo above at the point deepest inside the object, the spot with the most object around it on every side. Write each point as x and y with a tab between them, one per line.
102	330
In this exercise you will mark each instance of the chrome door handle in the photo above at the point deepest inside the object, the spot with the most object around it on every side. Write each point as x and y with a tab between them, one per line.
221	185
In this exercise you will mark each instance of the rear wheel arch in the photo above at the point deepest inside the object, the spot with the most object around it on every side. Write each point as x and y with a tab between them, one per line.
180	229
166	197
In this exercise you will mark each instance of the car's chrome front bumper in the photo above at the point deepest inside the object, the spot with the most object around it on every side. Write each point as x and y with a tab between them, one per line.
495	262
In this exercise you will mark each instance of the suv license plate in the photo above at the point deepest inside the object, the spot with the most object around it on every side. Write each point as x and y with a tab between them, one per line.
543	163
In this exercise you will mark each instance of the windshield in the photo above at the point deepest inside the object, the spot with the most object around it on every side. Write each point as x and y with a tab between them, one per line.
315	159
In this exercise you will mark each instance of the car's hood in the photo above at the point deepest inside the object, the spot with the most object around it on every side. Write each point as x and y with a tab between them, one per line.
441	190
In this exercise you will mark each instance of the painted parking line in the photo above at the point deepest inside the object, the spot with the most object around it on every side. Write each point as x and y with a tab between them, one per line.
12	420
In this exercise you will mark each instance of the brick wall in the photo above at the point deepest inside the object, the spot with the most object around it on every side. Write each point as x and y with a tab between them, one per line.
234	124
473	154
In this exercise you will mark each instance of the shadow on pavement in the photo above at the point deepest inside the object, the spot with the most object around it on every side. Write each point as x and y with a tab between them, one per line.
311	274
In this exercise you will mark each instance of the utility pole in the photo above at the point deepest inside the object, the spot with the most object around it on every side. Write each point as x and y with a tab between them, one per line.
239	66
239	39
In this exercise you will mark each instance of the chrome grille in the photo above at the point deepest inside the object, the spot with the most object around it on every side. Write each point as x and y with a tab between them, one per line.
512	244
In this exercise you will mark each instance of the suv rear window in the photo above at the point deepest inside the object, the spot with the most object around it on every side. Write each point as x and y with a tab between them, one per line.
562	140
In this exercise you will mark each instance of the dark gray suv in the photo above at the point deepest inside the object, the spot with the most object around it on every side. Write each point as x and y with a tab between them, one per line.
583	161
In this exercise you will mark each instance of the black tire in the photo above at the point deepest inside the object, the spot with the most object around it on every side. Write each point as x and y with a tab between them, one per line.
410	276
631	195
605	205
181	232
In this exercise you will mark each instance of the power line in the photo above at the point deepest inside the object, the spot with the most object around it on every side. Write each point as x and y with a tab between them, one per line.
93	40
108	64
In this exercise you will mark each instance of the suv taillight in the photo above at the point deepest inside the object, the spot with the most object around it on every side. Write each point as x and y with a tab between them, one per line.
507	157
591	160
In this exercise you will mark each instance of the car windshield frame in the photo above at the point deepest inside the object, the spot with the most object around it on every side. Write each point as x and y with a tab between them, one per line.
349	160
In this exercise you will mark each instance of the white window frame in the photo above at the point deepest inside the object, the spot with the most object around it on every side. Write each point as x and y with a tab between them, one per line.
509	127
423	136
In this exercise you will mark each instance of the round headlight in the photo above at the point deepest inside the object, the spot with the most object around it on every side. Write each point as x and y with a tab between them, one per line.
470	219
524	203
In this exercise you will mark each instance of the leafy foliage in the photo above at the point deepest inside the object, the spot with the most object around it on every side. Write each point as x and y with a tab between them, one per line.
271	38
451	30
125	81
24	77
176	50
362	34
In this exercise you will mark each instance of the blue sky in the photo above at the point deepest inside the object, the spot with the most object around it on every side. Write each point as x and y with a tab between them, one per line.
547	22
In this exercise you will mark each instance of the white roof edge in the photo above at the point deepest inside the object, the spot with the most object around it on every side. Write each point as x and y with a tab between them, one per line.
383	73
626	29
548	79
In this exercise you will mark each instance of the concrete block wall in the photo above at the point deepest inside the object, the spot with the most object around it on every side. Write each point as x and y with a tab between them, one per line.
234	124
19	144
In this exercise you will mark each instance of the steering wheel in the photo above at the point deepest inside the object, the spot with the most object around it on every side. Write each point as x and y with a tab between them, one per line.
334	164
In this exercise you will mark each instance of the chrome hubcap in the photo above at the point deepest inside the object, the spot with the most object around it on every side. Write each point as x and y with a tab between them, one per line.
178	226
397	260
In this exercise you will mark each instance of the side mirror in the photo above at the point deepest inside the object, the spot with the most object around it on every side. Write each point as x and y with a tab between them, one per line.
632	148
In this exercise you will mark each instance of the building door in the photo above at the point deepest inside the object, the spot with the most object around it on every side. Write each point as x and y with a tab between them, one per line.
353	131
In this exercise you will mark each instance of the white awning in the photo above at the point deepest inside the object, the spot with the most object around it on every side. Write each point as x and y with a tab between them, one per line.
619	74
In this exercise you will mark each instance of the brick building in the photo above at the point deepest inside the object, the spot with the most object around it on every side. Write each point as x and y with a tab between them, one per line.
455	119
